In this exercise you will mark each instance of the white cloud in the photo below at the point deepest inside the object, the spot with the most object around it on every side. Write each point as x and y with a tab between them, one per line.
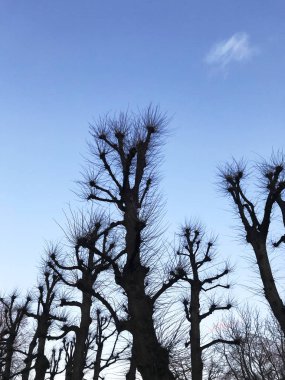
235	49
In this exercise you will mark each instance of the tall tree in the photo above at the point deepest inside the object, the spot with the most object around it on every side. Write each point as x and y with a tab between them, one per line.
197	254
125	150
44	316
93	253
12	342
257	223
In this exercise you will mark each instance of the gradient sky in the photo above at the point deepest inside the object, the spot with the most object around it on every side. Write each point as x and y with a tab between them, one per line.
216	68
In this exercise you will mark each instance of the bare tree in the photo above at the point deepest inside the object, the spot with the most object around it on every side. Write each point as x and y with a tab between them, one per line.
44	316
180	363
196	256
13	321
68	348
256	224
261	353
123	177
93	254
105	333
54	362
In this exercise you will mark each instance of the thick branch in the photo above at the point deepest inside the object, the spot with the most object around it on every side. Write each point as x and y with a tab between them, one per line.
213	309
70	303
209	280
224	341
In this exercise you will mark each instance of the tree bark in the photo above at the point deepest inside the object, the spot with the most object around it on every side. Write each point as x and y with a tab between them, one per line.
79	356
269	285
9	356
97	364
131	375
68	371
152	360
29	359
42	363
195	338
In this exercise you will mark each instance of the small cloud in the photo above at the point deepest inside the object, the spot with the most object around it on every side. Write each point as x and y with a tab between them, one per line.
235	49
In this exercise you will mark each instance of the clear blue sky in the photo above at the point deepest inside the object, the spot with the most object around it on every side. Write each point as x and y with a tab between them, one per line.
216	67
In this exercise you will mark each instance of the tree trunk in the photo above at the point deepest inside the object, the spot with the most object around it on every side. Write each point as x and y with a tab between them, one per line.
79	356
152	360
9	355
269	285
26	371
131	375
68	370
42	363
195	338
97	364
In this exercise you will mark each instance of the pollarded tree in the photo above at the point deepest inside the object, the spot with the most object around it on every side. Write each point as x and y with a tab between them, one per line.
122	175
44	316
91	237
257	223
196	255
12	342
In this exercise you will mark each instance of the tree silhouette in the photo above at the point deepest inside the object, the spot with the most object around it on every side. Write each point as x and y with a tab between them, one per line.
257	223
104	332
11	335
68	348
93	247
117	290
123	178
196	255
44	316
54	362
261	353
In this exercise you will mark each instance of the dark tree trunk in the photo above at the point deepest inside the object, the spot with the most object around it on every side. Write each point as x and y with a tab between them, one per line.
269	285
97	364
131	375
195	338
152	360
9	356
68	371
29	359
80	349
42	362
42	365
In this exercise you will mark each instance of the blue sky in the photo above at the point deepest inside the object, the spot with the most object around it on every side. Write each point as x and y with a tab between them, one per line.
216	67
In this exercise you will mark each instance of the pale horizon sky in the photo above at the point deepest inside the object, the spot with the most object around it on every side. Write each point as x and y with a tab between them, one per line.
216	68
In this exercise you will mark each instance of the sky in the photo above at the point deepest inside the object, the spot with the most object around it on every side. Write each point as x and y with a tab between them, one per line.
215	67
